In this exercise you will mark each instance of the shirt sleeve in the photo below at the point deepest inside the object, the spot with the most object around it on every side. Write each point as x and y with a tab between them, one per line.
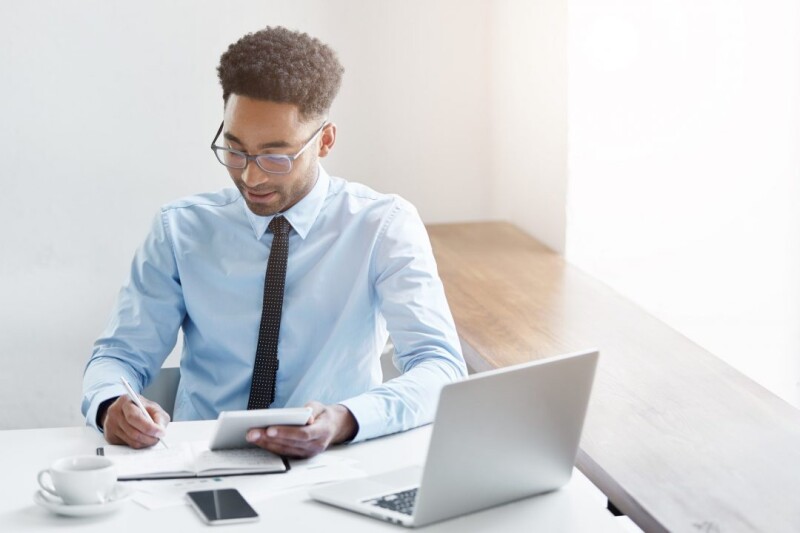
143	327
411	298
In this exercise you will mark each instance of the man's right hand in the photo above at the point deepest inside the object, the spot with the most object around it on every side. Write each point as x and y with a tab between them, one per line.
124	423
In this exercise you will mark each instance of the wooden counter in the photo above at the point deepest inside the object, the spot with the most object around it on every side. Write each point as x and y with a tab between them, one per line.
676	438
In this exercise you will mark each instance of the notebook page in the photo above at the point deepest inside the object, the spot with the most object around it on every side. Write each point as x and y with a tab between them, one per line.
243	459
156	460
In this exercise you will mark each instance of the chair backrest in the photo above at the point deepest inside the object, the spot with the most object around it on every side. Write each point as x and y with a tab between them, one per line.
387	365
164	388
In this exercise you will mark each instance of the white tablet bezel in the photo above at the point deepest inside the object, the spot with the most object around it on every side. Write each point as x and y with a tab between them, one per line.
231	428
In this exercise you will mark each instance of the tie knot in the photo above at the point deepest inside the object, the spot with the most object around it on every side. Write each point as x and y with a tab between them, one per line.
279	225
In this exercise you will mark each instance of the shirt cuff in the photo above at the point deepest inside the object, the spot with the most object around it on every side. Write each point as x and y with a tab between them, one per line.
106	394
371	420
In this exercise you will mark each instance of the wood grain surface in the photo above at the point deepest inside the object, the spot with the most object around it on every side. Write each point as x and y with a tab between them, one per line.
676	438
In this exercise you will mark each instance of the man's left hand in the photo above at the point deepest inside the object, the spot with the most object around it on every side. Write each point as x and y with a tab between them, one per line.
329	424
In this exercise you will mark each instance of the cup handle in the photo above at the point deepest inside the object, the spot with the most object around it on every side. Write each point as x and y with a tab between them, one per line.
49	489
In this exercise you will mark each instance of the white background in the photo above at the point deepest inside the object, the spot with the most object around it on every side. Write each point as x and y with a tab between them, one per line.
684	169
676	123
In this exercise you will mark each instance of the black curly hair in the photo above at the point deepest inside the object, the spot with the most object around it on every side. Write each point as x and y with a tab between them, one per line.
281	65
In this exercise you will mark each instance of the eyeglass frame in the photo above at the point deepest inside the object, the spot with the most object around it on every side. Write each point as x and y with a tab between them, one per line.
248	157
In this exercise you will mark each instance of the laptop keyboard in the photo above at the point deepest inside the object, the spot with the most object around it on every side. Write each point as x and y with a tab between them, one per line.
401	502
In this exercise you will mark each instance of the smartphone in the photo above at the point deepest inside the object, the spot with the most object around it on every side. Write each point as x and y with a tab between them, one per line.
222	506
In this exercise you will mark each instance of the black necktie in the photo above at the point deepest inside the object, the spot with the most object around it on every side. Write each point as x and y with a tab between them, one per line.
265	369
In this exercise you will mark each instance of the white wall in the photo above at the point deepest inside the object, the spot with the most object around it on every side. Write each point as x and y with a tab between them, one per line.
528	143
683	126
109	107
684	136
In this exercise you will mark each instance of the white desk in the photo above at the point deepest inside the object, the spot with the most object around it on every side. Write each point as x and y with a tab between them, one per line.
576	508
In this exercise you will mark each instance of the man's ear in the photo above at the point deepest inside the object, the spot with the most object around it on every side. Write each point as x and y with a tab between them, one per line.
327	139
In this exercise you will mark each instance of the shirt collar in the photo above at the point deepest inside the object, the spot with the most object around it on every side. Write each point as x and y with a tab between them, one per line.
301	215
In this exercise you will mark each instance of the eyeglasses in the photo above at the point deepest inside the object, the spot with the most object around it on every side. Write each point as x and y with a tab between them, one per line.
272	163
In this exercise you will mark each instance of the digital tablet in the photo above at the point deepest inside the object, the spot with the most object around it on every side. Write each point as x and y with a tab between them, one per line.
232	426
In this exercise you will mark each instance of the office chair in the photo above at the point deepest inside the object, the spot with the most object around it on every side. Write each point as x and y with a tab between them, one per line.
164	388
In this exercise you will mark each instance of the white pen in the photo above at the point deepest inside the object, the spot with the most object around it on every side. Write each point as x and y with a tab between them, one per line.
135	399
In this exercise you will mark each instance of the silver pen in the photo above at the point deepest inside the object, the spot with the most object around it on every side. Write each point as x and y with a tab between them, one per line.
135	399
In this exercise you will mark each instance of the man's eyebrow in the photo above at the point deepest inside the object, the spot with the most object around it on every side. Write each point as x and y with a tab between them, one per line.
264	146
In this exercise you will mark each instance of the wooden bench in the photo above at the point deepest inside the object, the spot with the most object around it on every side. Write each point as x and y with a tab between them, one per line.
677	439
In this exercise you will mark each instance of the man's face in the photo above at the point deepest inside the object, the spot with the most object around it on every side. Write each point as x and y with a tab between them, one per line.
264	127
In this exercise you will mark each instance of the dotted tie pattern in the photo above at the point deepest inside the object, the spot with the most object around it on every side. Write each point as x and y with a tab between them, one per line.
265	369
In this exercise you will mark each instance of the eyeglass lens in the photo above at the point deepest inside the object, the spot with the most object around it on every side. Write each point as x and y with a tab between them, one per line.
279	164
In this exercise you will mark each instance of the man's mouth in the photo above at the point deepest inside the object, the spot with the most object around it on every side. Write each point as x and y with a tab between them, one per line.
258	196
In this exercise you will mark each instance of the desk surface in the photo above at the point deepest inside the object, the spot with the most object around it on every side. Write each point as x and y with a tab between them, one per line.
678	440
576	508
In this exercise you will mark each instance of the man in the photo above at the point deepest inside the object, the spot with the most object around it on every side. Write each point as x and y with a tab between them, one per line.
345	266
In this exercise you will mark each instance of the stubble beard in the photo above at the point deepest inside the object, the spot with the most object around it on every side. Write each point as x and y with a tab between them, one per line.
285	198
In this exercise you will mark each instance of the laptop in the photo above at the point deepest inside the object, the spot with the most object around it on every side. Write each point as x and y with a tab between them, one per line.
498	436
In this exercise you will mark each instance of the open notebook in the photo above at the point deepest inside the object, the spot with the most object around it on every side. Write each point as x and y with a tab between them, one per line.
190	459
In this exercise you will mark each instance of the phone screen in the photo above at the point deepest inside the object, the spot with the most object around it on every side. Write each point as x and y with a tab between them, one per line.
223	505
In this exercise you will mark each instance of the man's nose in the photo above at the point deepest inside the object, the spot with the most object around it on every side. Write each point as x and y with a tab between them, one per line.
253	176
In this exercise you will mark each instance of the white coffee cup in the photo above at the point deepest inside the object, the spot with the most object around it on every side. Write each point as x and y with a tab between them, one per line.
80	480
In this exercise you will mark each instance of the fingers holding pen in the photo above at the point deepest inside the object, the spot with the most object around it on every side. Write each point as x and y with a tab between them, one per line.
125	423
140	422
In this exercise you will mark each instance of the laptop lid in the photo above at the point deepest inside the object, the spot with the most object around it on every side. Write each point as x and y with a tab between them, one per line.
499	436
505	434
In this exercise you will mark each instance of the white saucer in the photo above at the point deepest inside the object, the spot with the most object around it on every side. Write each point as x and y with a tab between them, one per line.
118	497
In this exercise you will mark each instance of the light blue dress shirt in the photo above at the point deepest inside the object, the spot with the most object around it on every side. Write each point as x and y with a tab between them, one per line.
360	268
